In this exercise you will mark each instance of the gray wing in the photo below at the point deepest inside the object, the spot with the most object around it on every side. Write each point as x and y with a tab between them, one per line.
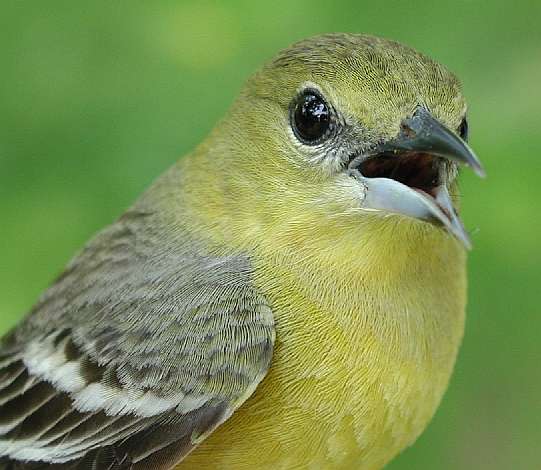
139	350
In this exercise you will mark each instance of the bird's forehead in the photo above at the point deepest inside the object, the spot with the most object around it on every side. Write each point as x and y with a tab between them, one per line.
381	90
372	79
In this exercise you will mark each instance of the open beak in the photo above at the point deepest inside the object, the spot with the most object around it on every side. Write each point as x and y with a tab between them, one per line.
407	175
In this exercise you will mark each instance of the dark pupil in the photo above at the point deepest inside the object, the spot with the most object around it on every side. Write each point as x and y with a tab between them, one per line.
463	129
311	117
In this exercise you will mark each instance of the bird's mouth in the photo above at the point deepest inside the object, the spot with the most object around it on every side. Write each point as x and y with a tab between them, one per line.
418	170
407	175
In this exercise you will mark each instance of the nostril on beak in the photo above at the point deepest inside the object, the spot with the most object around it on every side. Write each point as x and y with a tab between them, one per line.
407	131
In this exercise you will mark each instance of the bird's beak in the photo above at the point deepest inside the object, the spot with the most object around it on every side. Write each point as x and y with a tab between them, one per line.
406	175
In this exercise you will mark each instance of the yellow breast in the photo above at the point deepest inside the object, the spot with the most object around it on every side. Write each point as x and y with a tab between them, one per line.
366	342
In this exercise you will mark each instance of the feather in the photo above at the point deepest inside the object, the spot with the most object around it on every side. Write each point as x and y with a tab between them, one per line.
132	357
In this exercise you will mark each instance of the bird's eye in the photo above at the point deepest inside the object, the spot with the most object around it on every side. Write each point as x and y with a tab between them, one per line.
463	129
310	117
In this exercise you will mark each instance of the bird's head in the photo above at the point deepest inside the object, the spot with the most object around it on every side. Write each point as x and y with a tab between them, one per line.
355	127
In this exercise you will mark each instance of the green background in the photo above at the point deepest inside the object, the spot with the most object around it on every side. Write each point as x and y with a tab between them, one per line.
98	98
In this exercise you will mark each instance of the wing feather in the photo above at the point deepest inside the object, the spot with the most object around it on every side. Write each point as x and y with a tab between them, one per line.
138	351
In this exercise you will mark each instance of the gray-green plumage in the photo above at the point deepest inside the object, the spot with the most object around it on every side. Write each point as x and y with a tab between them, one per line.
317	188
144	344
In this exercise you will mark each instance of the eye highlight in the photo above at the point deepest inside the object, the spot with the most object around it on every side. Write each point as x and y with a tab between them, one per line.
310	117
463	129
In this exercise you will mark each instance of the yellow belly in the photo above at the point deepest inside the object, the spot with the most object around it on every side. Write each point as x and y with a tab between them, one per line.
339	394
365	346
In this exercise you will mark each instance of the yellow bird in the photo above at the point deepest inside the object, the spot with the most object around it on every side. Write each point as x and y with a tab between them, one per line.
290	295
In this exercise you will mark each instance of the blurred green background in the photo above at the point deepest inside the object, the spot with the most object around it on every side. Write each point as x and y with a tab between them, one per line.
98	98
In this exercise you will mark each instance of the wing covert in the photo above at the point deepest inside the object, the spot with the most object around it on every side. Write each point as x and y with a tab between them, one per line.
135	354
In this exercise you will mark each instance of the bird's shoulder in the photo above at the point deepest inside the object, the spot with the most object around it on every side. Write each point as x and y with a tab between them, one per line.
140	348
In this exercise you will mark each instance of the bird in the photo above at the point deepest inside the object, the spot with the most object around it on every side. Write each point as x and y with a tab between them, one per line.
289	295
